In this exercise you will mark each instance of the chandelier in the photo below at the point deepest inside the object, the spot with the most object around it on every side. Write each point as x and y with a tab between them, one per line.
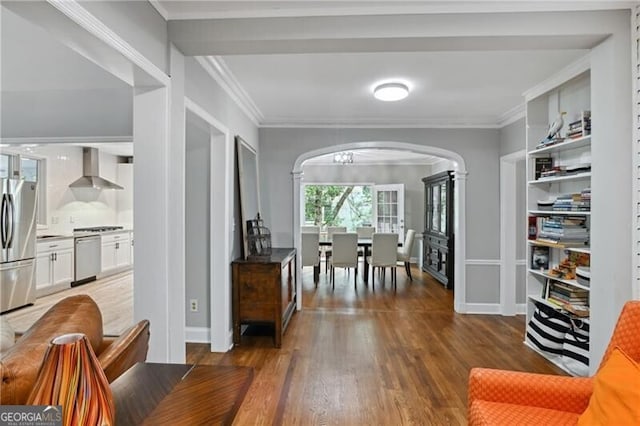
343	157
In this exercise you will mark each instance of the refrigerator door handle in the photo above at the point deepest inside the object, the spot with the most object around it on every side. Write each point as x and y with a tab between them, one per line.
12	218
3	221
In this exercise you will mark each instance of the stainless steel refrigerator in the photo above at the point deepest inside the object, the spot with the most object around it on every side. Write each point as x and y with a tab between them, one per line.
18	237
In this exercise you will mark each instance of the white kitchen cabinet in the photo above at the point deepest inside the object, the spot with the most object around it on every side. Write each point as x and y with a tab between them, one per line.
116	251
54	265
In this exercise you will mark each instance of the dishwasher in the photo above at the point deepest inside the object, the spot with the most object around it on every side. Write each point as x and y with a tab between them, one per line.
88	260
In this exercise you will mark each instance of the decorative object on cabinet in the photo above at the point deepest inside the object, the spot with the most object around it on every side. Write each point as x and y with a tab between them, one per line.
264	291
249	187
438	249
258	239
71	377
559	197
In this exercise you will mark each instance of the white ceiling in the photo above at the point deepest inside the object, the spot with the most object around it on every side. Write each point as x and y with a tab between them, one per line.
459	88
27	49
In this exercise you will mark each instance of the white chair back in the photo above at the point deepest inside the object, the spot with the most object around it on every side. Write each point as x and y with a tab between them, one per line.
333	229
345	250
310	249
310	229
384	249
365	231
404	253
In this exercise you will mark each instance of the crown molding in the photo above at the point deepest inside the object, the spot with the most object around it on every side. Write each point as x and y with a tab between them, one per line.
218	70
567	73
436	123
160	9
511	116
38	140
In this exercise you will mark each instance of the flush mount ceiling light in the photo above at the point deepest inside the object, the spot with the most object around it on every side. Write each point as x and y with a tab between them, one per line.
343	157
389	92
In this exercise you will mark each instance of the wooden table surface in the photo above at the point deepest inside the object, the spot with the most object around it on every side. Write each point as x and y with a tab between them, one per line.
180	394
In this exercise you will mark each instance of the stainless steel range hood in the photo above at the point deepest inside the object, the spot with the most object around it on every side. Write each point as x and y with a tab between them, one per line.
91	172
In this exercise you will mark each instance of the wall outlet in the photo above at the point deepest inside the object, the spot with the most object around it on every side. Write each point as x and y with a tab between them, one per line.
54	220
72	219
193	305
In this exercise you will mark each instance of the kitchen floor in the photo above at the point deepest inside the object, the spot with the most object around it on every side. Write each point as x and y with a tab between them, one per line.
113	294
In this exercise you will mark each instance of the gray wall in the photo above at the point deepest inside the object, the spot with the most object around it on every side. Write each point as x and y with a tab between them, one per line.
409	174
279	149
51	113
204	91
197	219
139	24
513	137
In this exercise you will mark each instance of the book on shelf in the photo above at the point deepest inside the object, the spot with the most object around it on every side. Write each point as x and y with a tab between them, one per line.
539	257
542	164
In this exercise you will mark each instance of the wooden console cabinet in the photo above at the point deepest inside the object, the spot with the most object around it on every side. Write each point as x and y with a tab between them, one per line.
264	292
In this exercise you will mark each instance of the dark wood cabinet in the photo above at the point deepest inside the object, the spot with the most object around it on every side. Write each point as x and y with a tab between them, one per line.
438	250
264	291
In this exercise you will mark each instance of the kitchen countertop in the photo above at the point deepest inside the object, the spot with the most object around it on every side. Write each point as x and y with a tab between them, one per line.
53	237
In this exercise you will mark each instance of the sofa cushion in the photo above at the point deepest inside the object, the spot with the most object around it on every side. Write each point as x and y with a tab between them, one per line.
19	365
616	394
497	413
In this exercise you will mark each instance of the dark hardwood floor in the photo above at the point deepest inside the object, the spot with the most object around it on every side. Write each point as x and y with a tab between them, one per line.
365	357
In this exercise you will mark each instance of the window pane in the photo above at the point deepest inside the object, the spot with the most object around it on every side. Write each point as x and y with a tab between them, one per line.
29	169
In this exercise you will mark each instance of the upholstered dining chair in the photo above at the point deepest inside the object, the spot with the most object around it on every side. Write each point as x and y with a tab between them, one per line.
327	251
310	229
404	252
384	254
364	232
501	397
345	254
310	253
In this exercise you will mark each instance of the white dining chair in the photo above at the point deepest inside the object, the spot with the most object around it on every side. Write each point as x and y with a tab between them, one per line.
327	251
364	232
384	255
311	254
345	254
404	252
310	229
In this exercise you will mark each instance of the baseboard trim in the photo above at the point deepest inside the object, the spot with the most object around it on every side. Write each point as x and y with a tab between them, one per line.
483	308
197	334
521	308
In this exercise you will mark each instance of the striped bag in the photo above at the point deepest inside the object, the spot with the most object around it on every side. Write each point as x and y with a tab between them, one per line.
575	350
547	328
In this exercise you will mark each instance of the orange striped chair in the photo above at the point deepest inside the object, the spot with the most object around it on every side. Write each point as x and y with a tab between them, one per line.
500	397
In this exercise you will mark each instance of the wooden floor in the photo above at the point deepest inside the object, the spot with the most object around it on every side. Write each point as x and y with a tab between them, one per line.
350	357
383	357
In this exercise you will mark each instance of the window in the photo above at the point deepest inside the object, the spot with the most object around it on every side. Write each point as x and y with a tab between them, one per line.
338	205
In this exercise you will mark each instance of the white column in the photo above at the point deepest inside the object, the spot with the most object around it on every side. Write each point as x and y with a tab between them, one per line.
460	247
297	239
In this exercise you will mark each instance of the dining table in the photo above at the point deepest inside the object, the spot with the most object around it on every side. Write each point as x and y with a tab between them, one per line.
365	243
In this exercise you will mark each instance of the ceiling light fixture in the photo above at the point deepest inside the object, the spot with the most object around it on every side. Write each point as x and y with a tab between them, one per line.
343	157
389	92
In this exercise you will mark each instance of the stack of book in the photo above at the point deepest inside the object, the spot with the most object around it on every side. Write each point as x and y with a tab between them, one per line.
575	202
580	127
565	294
564	230
548	142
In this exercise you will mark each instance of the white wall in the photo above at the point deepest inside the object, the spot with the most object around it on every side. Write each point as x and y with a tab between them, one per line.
279	149
124	197
79	207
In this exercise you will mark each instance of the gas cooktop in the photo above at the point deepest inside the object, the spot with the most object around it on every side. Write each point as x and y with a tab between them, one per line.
98	229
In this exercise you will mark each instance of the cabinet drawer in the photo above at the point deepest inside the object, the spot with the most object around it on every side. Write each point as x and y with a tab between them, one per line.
43	247
258	312
256	288
110	238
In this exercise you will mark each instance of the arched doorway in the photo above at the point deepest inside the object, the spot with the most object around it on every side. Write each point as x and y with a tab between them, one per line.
459	202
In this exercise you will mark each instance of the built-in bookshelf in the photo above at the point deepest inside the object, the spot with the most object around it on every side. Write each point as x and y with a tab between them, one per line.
559	200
